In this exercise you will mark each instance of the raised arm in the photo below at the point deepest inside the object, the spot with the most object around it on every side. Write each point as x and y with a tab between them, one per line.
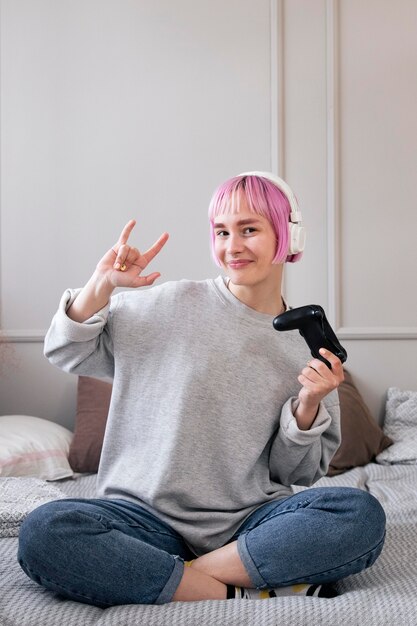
121	266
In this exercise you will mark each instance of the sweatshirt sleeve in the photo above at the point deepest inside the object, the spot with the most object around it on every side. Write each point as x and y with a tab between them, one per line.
301	457
80	348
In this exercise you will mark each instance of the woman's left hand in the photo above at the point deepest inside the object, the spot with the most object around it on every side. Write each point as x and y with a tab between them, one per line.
317	381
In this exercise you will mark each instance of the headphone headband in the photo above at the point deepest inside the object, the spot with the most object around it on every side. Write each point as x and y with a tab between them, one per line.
295	215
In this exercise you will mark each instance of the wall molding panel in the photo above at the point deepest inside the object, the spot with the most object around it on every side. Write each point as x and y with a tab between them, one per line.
277	88
76	121
332	165
23	336
335	288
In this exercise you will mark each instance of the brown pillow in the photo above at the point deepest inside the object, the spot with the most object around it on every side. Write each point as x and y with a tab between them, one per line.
93	400
362	438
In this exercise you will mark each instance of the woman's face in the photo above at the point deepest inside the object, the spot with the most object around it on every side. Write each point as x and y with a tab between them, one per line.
245	245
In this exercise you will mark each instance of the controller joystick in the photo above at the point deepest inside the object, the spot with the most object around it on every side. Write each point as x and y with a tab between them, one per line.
313	326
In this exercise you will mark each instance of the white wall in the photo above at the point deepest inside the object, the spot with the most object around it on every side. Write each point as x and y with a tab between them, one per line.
139	108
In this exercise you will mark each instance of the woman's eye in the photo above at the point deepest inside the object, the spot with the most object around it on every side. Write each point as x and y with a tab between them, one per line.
221	233
249	230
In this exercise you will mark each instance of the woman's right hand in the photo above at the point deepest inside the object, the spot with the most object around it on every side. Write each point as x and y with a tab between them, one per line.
122	265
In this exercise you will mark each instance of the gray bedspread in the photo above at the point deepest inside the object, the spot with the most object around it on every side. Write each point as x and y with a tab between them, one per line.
385	595
19	496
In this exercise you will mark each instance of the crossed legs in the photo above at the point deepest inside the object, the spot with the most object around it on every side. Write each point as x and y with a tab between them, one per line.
107	552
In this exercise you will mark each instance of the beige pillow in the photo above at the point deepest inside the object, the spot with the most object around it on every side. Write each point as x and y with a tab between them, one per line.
362	438
33	446
93	401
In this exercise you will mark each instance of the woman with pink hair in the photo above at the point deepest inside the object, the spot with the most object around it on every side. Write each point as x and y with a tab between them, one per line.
213	417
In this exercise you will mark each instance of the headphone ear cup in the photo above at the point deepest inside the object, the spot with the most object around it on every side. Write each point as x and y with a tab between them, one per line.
296	239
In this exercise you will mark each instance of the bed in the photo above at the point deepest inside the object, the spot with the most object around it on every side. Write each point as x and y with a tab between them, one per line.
384	595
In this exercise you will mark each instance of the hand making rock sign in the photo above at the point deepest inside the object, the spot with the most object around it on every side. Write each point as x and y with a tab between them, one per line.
121	266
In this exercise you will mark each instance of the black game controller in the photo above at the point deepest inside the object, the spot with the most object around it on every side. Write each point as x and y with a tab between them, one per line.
312	324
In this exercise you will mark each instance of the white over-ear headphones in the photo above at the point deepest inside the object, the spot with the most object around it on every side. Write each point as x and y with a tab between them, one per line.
297	233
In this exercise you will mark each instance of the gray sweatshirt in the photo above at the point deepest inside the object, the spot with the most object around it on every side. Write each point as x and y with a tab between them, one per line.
201	430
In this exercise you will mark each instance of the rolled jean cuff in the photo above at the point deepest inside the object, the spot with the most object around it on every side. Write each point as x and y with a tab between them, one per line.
172	583
249	563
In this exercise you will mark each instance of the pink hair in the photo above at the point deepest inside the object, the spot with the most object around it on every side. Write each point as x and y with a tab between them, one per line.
263	198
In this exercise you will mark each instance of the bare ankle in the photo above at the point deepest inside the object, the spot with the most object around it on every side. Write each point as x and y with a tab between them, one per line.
196	585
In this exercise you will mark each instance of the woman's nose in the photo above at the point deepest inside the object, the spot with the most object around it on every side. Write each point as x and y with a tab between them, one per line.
235	243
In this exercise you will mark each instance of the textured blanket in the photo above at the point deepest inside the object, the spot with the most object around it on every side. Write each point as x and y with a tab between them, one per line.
384	595
19	496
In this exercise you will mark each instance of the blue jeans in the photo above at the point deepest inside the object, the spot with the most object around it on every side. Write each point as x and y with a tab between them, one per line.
108	552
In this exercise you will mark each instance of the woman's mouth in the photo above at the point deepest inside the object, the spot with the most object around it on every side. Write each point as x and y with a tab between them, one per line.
239	264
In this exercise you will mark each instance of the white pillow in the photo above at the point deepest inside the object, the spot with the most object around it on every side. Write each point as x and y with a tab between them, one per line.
31	446
400	424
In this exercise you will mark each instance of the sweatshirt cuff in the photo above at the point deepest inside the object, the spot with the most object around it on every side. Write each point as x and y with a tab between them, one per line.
79	331
289	428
